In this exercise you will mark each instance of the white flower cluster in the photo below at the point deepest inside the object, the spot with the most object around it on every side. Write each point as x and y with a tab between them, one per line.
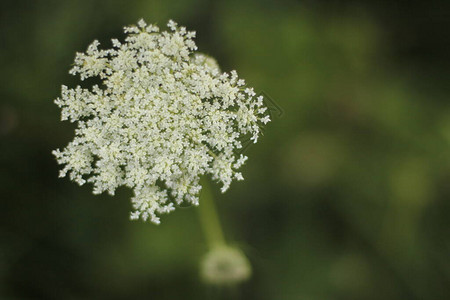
162	117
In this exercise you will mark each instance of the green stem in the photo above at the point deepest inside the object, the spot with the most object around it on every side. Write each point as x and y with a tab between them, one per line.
209	218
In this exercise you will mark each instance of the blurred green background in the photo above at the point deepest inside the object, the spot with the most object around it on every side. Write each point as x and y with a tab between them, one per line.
346	196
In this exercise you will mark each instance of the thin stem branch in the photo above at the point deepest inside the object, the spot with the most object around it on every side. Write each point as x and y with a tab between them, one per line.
209	218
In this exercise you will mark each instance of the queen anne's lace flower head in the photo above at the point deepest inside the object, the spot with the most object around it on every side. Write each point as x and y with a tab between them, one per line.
162	117
225	265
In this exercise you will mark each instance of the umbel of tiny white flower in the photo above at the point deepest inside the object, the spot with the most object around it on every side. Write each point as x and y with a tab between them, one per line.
162	117
225	265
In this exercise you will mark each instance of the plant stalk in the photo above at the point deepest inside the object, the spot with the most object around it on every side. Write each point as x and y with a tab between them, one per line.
209	219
